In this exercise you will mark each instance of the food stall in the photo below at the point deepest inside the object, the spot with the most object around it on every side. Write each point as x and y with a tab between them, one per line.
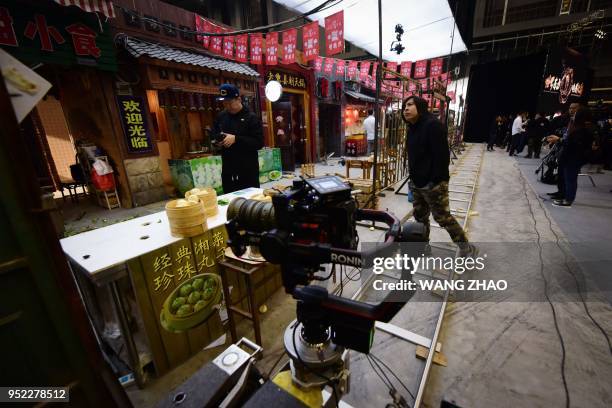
142	263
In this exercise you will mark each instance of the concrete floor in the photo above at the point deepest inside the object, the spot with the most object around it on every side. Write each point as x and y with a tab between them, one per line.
504	351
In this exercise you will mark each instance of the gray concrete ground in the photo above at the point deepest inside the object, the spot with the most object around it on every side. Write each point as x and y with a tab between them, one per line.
504	351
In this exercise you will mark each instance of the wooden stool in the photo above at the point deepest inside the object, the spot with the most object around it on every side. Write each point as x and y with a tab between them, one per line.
248	271
365	165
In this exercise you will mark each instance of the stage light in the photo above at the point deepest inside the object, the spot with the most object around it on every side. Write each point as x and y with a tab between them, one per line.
273	91
397	48
399	31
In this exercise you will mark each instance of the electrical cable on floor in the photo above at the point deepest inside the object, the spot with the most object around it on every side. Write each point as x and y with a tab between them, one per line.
554	313
330	382
393	374
392	390
571	272
275	364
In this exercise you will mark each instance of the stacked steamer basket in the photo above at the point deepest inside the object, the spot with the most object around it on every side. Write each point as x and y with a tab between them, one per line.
186	217
208	198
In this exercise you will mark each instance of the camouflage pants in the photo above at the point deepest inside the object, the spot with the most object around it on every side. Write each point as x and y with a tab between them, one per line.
435	201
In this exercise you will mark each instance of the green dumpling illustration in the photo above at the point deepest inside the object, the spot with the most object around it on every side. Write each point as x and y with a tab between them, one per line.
186	289
178	302
194	297
198	284
184	310
199	306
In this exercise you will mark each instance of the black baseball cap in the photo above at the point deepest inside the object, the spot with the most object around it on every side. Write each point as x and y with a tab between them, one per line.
227	91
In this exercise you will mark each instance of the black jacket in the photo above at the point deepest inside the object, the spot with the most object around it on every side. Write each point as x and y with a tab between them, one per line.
428	153
577	147
242	155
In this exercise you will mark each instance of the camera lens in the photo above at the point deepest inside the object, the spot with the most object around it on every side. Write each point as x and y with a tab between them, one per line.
252	215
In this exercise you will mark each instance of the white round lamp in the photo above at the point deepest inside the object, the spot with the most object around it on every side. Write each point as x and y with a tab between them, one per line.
273	91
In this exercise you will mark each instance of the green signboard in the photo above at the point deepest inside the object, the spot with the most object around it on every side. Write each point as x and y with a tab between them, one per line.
53	34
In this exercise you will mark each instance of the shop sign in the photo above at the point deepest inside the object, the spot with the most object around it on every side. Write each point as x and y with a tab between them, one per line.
566	5
133	111
288	80
44	35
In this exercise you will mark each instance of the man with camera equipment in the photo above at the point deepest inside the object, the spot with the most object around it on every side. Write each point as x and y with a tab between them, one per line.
428	160
238	133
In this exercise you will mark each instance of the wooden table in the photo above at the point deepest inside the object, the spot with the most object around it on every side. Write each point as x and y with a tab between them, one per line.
362	163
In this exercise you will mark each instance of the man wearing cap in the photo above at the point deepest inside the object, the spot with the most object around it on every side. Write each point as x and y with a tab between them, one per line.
239	133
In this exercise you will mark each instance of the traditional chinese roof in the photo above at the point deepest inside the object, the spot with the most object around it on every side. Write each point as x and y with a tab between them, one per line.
138	48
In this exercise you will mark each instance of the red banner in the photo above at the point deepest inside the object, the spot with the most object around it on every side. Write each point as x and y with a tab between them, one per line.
340	64
329	65
200	27
228	47
216	42
289	43
406	68
256	48
424	84
272	48
444	78
412	87
318	64
391	66
310	41
242	54
435	68
364	70
352	69
420	69
334	33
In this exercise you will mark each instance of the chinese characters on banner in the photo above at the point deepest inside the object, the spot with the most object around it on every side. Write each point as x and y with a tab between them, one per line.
216	42
200	23
364	70
290	80
424	84
289	44
242	48
329	65
310	41
340	68
406	68
412	86
435	68
256	48
318	64
420	69
133	110
391	66
334	33
272	48
228	46
352	69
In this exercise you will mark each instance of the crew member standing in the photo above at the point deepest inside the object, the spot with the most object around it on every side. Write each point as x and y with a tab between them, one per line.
428	160
368	125
239	133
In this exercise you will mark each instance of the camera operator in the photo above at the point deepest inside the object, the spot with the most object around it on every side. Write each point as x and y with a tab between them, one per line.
428	161
239	134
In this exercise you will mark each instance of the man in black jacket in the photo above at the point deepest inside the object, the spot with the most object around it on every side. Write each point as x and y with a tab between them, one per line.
239	133
428	160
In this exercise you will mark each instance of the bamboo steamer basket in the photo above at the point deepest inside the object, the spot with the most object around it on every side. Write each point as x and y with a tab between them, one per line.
186	221
208	197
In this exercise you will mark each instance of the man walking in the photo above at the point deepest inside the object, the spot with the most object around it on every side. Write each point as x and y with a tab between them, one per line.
428	160
517	132
368	125
239	133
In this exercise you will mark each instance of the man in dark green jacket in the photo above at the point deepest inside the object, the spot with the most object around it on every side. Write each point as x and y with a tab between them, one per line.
239	133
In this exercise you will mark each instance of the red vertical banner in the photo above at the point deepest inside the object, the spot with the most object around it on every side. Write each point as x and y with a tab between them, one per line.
334	33
310	41
420	69
406	68
318	64
412	86
435	68
242	48
424	84
329	65
340	64
256	48
391	66
352	69
272	48
199	23
216	42
207	27
289	44
374	69
444	78
228	47
364	70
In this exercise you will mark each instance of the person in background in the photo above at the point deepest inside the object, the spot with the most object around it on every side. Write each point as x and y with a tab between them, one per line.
428	160
537	130
495	133
517	132
574	154
561	126
368	125
239	134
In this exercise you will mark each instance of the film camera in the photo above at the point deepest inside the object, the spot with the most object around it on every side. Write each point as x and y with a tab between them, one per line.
311	224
